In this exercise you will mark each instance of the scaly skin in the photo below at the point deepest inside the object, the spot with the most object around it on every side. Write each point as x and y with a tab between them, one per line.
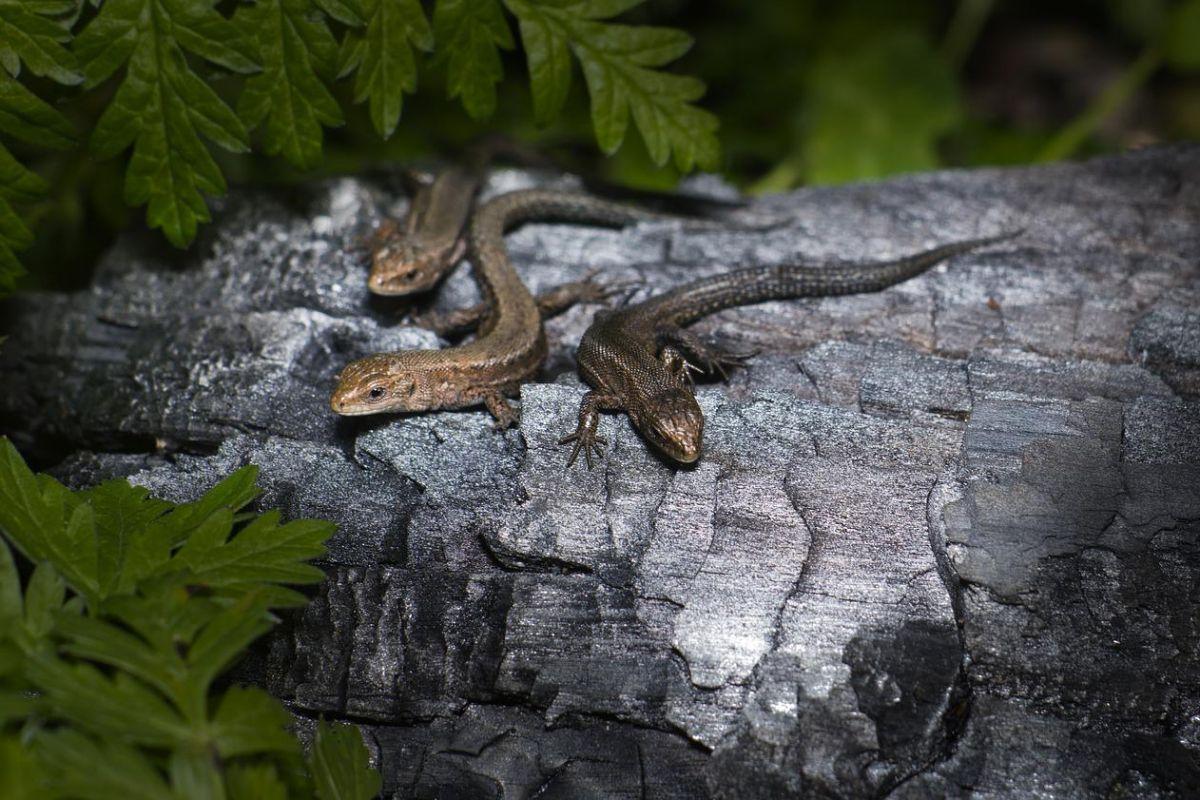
411	258
635	358
511	344
550	302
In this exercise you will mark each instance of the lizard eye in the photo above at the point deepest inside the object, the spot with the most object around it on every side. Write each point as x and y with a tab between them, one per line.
377	393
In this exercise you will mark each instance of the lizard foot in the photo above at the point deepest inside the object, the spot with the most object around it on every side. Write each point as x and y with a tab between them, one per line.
679	367
585	439
506	416
462	320
593	291
704	357
589	290
721	362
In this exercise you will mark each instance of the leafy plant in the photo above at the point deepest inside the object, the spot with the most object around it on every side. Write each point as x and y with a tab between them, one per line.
110	652
29	37
855	88
269	91
1170	35
178	64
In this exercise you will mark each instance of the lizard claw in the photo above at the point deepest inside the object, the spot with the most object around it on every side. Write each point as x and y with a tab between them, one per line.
679	367
627	288
585	439
594	291
686	370
736	360
720	362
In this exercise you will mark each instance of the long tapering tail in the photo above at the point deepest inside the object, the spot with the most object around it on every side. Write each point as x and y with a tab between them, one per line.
784	281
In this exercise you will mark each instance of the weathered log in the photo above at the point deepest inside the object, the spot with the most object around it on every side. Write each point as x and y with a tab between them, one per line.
943	540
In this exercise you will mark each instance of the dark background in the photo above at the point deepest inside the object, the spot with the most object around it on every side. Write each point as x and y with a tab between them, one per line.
807	92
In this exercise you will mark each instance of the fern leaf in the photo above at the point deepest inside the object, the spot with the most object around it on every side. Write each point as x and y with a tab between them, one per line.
290	96
162	108
382	56
340	764
470	34
27	36
620	67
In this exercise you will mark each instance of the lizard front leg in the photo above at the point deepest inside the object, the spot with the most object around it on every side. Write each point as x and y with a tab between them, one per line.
585	437
366	244
680	368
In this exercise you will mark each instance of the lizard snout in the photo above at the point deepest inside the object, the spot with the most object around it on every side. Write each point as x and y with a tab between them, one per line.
675	425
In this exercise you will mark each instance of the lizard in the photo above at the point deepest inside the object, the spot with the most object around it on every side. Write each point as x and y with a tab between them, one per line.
636	357
510	345
414	256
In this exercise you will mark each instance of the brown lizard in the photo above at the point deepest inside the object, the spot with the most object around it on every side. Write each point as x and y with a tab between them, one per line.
635	358
412	257
511	343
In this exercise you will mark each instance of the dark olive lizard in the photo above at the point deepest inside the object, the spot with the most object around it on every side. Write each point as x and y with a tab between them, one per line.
637	358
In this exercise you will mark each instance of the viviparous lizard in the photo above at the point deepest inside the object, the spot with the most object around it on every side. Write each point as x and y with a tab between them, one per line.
511	344
637	358
412	257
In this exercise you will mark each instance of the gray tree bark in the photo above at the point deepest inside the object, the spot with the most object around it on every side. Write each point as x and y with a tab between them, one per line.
943	540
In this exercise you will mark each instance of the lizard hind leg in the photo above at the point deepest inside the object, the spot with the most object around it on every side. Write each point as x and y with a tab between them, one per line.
506	416
680	368
673	340
558	299
452	323
550	302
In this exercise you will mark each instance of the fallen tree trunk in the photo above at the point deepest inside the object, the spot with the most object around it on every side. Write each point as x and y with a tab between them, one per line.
943	539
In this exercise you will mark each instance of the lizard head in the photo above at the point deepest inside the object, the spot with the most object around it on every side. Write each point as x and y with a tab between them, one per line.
403	265
384	383
674	424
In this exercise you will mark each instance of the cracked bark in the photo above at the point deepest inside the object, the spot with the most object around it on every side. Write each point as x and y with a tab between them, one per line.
996	466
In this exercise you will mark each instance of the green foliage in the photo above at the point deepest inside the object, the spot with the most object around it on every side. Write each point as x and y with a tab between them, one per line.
896	94
191	94
290	97
1182	40
176	65
618	64
339	765
28	37
471	33
110	653
162	106
382	55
